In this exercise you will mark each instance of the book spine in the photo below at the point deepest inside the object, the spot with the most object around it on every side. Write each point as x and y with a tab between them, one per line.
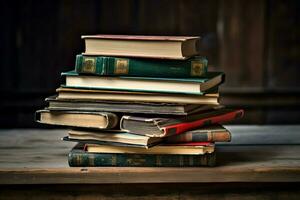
112	66
84	159
191	136
111	119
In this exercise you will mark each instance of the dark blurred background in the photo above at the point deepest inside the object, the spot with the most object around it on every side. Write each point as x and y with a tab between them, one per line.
256	43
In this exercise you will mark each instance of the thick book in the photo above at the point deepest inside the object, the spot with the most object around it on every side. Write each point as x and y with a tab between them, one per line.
158	149
78	157
124	107
118	66
116	138
145	84
98	120
115	96
213	133
161	47
163	127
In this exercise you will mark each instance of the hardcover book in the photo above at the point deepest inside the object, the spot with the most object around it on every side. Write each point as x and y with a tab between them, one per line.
106	95
213	133
118	66
158	149
110	137
124	107
78	157
162	47
145	84
98	120
163	127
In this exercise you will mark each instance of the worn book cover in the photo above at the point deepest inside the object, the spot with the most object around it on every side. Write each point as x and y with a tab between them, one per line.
56	104
167	149
91	119
163	127
213	133
118	66
110	137
78	157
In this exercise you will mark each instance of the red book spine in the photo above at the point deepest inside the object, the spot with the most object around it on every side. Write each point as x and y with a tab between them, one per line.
182	127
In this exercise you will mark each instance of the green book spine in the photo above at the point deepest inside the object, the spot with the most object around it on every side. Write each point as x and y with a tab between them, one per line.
112	66
81	158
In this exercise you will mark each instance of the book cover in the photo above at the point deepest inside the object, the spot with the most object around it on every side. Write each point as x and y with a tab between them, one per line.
214	133
118	66
163	127
100	142
196	86
78	157
140	37
210	98
159	47
113	137
174	149
124	107
86	119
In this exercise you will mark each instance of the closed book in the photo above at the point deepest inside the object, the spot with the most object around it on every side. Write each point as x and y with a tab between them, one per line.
118	66
98	120
163	127
147	97
111	137
158	149
145	84
161	47
124	107
214	133
78	157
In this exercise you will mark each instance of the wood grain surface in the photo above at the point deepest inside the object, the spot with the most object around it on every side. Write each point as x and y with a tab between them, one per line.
39	157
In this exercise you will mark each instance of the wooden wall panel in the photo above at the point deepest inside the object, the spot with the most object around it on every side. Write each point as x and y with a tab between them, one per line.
283	45
8	55
241	34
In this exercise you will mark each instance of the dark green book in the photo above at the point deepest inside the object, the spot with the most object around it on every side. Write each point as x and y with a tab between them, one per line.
78	157
113	66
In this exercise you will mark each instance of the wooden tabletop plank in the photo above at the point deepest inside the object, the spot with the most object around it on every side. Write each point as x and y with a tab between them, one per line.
40	157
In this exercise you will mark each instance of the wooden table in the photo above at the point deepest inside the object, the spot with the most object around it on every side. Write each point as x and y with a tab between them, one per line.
261	161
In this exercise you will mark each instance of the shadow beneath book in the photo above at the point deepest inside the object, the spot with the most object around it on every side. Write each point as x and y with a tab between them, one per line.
244	154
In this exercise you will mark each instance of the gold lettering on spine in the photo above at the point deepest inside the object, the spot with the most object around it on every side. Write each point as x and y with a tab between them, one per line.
121	66
89	65
114	160
78	160
197	68
91	160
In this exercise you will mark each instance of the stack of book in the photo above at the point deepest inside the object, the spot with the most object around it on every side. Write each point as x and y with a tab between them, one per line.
140	101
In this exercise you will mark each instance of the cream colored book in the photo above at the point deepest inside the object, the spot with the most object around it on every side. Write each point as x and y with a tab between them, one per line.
108	95
99	120
196	86
161	47
159	149
112	136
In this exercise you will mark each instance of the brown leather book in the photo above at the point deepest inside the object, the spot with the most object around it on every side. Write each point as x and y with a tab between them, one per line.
214	133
